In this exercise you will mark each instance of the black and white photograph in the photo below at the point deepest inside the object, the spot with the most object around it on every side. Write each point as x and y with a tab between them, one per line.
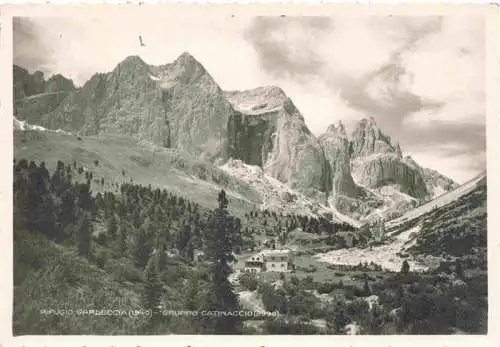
250	173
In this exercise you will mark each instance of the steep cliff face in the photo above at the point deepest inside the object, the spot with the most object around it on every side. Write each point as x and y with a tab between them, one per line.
378	163
26	84
179	105
437	184
58	83
368	138
269	131
384	169
174	105
253	127
32	108
337	150
197	110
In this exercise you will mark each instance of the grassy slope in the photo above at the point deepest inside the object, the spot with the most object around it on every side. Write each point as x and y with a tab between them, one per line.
50	276
143	163
457	229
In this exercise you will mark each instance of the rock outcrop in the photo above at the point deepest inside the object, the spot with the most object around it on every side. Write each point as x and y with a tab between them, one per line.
34	97
269	131
437	184
179	105
336	147
175	105
26	84
368	138
58	83
378	163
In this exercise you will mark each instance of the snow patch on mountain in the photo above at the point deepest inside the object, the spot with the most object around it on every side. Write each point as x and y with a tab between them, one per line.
154	78
22	125
256	101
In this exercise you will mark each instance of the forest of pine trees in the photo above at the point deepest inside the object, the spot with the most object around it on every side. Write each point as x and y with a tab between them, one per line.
140	223
141	242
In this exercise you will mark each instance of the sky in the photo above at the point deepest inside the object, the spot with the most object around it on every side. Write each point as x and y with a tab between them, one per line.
421	78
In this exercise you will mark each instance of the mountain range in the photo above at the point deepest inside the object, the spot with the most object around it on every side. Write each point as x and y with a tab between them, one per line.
257	136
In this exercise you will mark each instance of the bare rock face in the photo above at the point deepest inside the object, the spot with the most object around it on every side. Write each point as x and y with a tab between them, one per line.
197	110
175	105
32	108
269	131
34	97
386	169
367	139
336	147
58	83
179	105
437	183
26	84
378	163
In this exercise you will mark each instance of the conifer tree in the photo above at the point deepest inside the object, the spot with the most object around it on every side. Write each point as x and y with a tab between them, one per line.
161	258
376	320
405	268
84	236
366	289
219	246
40	212
122	237
112	227
190	251
151	295
459	271
142	248
337	320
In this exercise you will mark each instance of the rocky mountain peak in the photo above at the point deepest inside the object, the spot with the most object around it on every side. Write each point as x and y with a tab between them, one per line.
129	73
187	70
179	105
261	100
132	61
368	138
272	92
186	59
399	153
26	84
59	83
337	129
410	161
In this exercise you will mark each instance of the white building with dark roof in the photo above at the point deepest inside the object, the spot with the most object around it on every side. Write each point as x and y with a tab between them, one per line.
275	260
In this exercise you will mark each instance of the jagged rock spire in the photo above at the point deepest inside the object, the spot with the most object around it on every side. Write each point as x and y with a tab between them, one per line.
337	128
368	138
399	153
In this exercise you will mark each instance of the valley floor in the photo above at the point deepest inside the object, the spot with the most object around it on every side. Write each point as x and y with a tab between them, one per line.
384	255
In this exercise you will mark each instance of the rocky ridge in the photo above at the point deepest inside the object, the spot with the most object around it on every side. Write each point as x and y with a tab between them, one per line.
179	105
34	96
270	132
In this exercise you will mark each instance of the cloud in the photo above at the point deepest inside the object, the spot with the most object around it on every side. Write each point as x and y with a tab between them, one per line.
26	41
79	46
453	158
421	78
287	46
